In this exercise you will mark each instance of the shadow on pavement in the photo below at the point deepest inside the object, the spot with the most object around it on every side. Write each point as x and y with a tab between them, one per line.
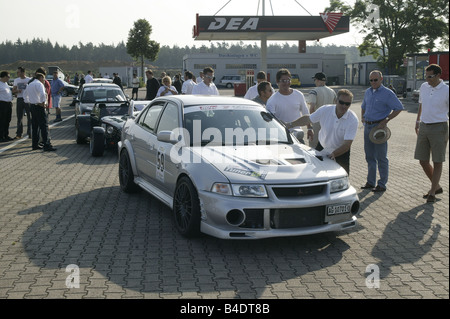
131	241
406	239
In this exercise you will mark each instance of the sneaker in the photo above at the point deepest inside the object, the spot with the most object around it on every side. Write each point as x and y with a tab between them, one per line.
49	148
18	137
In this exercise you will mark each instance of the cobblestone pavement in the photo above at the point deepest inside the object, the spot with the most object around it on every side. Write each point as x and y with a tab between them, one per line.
66	209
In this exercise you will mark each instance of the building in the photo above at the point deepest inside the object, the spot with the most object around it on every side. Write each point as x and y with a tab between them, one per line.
416	64
306	65
358	73
125	73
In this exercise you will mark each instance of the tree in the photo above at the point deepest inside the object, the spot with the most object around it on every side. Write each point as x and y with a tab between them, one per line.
139	45
397	27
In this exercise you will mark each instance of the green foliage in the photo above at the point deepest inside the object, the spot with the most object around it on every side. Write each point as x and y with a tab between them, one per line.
394	28
139	44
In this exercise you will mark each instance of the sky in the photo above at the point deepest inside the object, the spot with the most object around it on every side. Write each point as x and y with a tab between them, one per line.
109	21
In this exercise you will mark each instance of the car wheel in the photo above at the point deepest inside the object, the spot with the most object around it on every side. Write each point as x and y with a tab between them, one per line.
65	93
80	140
126	176
97	144
186	208
229	85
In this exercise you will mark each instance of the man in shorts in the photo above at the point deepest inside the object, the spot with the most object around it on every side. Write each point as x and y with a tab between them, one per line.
432	128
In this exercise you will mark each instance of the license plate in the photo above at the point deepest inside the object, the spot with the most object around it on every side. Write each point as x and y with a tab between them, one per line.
333	210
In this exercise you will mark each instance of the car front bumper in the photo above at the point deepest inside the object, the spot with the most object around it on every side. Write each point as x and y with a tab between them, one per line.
228	217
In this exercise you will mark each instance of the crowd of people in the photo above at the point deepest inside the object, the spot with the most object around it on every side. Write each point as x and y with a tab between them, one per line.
331	125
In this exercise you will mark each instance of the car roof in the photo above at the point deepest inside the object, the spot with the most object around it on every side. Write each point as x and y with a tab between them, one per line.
189	100
101	84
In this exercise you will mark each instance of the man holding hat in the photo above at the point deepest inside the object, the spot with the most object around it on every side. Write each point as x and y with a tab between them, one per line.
380	105
320	95
339	128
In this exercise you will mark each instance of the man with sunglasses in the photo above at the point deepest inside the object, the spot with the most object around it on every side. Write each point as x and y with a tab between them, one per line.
432	128
288	104
338	125
380	105
207	86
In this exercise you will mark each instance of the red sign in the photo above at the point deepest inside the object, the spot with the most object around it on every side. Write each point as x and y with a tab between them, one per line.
331	20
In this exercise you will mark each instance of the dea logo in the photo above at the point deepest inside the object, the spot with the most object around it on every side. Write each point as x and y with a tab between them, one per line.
234	24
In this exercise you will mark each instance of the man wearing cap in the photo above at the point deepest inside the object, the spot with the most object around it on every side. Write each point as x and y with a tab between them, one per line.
320	95
380	105
432	128
339	127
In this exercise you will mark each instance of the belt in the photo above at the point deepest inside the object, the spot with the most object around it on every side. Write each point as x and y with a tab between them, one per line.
374	122
434	123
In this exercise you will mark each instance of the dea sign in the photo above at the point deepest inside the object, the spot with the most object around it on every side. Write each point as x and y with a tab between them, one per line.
234	24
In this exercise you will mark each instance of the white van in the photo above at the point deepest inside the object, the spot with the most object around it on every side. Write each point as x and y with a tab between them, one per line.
230	80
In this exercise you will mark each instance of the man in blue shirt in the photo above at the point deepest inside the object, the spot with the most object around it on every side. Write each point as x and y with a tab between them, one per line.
57	87
380	105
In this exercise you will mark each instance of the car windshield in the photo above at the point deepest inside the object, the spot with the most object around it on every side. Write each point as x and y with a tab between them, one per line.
108	109
233	125
92	95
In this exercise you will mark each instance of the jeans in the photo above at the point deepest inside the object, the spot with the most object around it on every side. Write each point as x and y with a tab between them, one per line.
376	157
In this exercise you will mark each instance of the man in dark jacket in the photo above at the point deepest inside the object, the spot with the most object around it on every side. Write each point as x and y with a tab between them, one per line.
152	85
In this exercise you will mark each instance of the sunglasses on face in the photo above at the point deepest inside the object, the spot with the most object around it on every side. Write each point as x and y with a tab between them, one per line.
345	103
431	76
374	80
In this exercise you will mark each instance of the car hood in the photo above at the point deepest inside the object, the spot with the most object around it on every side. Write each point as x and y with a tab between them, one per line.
277	164
117	120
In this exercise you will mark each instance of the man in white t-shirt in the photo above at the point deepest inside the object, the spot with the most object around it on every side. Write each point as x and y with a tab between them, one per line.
338	124
88	78
188	84
135	82
288	104
320	95
252	92
206	87
19	86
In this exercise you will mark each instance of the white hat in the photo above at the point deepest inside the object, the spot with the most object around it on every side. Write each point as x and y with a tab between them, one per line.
380	135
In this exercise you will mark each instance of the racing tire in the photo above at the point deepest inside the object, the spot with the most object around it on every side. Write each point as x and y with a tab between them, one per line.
97	144
79	139
186	208
126	175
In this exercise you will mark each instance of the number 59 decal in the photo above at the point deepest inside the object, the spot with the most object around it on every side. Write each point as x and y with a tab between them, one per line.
160	165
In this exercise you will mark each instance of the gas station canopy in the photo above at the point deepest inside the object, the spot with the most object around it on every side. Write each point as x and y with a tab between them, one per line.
273	28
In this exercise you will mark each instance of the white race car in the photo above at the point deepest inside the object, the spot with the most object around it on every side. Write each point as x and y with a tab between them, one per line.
226	167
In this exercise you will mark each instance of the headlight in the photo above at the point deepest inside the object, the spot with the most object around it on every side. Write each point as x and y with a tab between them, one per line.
221	188
246	190
339	185
241	190
110	130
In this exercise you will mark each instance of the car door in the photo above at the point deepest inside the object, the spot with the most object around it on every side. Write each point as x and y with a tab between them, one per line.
144	141
166	172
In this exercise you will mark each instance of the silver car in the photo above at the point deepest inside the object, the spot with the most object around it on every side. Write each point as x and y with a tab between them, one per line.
226	167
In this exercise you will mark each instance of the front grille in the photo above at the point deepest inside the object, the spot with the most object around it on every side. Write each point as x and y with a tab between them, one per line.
254	218
297	217
299	191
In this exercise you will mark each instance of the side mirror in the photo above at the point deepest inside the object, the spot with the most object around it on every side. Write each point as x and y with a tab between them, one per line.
167	137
